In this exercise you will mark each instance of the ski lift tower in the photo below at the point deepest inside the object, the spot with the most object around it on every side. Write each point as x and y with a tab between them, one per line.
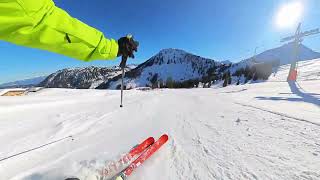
297	39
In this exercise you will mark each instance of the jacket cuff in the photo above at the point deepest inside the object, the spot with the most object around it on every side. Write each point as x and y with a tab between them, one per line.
114	49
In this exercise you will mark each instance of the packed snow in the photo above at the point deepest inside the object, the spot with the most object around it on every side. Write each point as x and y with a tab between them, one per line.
266	130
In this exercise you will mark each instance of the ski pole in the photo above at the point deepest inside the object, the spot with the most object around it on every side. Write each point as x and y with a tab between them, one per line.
123	65
36	148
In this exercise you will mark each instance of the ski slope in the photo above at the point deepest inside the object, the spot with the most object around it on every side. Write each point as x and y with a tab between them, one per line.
307	71
264	130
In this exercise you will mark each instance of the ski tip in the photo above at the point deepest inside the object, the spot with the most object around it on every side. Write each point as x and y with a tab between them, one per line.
150	139
164	137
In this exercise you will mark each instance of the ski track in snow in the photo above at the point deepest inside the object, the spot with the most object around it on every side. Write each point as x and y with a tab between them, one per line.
217	157
222	133
278	113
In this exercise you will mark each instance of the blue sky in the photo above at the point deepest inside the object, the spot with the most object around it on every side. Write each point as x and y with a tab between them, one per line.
221	30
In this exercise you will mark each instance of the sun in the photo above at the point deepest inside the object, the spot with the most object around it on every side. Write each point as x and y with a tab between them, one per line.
289	14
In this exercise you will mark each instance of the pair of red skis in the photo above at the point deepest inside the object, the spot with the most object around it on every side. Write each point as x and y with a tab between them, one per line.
144	150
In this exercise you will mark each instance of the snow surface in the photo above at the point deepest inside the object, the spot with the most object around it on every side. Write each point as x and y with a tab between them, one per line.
264	130
307	70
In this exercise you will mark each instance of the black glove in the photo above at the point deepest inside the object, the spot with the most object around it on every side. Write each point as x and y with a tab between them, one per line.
127	46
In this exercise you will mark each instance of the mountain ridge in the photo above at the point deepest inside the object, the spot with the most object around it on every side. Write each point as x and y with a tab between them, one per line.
174	64
171	64
23	83
284	54
80	78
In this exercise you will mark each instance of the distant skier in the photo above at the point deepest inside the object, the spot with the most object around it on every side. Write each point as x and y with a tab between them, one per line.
40	24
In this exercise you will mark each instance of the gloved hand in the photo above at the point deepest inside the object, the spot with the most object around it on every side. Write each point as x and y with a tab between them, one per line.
127	46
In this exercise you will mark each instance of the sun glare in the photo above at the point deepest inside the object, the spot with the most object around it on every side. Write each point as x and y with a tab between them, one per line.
289	14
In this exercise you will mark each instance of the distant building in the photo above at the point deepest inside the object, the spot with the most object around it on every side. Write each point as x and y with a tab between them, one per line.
35	89
13	92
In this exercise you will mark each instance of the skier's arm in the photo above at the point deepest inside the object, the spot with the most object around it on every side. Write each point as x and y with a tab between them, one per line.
40	24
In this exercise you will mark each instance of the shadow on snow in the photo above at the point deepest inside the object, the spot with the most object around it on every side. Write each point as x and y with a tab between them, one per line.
303	97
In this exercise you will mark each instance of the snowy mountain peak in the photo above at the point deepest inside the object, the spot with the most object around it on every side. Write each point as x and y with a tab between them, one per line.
169	64
168	56
284	54
172	51
278	56
175	56
88	69
226	62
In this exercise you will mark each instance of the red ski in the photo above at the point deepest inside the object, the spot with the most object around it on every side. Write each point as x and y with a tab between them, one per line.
135	151
141	147
143	157
128	158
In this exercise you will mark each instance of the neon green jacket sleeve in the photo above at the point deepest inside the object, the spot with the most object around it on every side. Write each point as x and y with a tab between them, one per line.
40	24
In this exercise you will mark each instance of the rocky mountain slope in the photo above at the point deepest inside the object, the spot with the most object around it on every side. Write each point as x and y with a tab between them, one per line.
80	78
168	65
177	68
